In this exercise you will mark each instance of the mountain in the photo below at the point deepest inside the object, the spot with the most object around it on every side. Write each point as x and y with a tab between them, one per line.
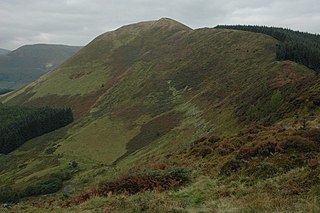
4	51
156	100
29	62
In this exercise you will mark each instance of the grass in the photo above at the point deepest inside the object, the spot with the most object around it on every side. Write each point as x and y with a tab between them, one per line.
94	203
102	140
63	81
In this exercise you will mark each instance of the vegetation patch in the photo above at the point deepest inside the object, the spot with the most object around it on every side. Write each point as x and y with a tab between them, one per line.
102	140
230	167
159	180
263	170
303	48
147	180
80	104
152	131
297	144
51	184
257	148
269	147
258	151
20	124
202	151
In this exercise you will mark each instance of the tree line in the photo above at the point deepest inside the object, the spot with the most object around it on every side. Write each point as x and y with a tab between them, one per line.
20	124
4	91
301	47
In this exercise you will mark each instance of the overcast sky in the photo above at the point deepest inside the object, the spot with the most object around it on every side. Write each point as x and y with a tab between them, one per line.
77	22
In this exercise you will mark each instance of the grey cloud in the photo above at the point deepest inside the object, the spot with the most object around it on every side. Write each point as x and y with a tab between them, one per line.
77	22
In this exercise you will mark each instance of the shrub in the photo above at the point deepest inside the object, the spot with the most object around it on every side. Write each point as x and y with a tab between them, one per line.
225	150
264	148
228	146
213	138
63	175
312	134
49	186
52	184
291	162
267	148
8	195
230	167
313	164
50	150
200	140
263	170
148	180
73	165
157	165
202	151
297	143
159	180
252	130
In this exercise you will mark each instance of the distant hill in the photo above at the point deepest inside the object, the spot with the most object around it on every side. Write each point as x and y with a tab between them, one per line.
4	51
29	62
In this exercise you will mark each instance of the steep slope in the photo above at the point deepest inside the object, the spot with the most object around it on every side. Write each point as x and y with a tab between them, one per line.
4	51
149	89
142	75
29	62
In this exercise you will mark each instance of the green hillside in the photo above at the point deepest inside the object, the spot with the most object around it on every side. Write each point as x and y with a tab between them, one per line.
162	107
301	47
29	62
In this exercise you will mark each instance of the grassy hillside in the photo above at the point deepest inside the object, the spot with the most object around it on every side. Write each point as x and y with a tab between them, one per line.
29	62
142	95
303	48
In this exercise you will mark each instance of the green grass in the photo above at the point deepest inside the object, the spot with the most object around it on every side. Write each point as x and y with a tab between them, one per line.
29	163
65	81
101	141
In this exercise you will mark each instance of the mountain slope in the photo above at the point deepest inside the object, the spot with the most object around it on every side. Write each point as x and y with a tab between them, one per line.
126	79
29	62
147	91
4	51
303	48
